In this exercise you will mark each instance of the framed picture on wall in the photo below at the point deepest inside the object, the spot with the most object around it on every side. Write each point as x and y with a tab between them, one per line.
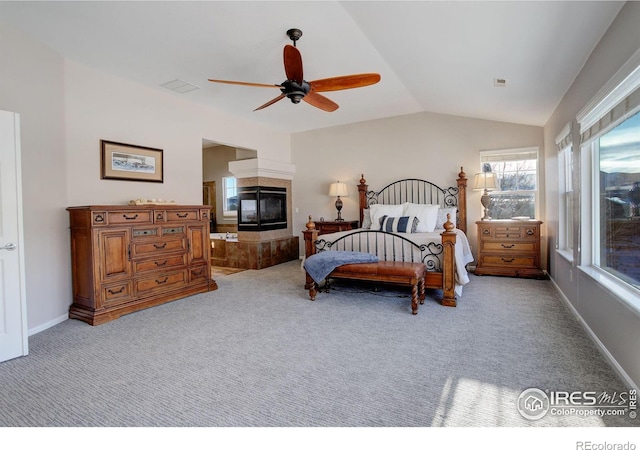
130	162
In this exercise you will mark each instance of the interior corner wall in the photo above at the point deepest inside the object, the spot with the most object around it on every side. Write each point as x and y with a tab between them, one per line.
424	145
612	322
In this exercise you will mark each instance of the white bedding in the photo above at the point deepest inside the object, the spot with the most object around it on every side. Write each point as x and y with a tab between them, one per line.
398	250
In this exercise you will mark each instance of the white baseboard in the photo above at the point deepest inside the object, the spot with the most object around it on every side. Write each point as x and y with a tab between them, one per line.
49	324
616	367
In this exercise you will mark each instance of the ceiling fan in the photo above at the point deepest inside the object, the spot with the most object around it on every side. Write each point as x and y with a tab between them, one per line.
296	88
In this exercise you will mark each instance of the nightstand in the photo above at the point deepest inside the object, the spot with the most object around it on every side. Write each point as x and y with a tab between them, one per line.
510	248
325	227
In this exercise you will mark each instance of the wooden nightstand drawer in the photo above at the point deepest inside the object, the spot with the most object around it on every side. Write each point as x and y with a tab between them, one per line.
502	260
508	247
334	226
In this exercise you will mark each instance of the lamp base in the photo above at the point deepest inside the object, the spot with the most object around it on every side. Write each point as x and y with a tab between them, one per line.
339	208
486	201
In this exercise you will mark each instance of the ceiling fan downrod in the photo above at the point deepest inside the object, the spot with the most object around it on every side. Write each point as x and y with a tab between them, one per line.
294	34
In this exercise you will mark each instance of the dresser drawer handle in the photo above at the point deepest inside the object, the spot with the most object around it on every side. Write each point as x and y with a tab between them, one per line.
112	292
162	281
198	273
160	264
159	216
530	232
130	217
160	246
510	260
485	231
182	216
99	218
507	246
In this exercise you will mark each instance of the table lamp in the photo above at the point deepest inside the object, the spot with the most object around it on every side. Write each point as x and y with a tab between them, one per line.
338	190
485	181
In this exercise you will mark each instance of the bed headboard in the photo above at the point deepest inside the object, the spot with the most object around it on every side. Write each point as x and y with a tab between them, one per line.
413	190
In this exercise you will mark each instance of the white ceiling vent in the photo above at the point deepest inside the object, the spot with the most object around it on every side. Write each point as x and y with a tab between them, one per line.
500	82
180	86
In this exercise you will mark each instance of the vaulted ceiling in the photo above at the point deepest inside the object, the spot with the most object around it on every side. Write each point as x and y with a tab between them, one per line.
437	56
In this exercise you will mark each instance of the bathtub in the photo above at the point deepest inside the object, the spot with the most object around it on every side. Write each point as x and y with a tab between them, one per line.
231	237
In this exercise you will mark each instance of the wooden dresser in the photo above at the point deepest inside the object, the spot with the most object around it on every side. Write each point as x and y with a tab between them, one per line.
509	247
127	258
325	227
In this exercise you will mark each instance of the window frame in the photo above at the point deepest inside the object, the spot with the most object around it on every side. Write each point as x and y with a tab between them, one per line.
616	101
492	156
228	213
565	240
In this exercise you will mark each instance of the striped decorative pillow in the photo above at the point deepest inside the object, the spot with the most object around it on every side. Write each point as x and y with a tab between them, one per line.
404	224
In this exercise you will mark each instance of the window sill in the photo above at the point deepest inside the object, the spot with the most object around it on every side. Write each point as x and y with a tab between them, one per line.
617	288
567	255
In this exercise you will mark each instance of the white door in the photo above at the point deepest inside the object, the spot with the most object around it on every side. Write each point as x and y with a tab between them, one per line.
13	312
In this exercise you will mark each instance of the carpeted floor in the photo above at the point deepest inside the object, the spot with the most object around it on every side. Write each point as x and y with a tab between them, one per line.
257	352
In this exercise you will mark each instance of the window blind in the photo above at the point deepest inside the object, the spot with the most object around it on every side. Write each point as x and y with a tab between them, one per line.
514	154
618	100
564	138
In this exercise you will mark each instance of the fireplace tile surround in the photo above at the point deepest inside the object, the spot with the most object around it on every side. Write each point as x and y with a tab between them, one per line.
258	249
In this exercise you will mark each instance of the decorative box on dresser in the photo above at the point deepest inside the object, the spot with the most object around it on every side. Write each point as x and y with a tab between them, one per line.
509	247
325	227
130	257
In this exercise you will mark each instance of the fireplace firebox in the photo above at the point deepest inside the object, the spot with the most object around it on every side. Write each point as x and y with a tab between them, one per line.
262	208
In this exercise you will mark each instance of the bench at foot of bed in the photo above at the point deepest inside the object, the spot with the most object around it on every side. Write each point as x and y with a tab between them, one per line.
399	273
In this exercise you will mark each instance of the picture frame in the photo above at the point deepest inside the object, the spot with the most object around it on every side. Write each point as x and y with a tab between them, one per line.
127	162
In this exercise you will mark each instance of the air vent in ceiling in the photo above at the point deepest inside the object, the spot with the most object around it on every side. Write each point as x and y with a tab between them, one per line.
499	82
180	86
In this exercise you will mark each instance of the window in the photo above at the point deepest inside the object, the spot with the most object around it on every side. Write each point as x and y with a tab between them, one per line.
565	238
610	151
230	197
617	159
516	171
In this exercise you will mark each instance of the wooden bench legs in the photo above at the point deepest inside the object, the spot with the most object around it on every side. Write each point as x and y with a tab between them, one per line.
398	273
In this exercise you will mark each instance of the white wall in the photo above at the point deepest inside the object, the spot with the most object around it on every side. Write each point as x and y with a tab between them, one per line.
100	106
33	85
611	321
424	145
66	108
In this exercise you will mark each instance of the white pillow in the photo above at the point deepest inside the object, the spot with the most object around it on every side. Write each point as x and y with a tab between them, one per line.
426	214
377	211
442	217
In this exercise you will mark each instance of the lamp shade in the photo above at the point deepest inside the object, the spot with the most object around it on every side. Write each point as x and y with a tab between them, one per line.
338	190
485	180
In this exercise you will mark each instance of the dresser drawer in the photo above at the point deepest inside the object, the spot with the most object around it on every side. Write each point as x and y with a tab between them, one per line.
168	262
122	217
155	247
181	216
162	281
116	294
145	232
199	274
508	247
506	260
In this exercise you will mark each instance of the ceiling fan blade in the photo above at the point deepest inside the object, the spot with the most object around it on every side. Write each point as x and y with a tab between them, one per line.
271	102
242	83
320	101
293	64
344	82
